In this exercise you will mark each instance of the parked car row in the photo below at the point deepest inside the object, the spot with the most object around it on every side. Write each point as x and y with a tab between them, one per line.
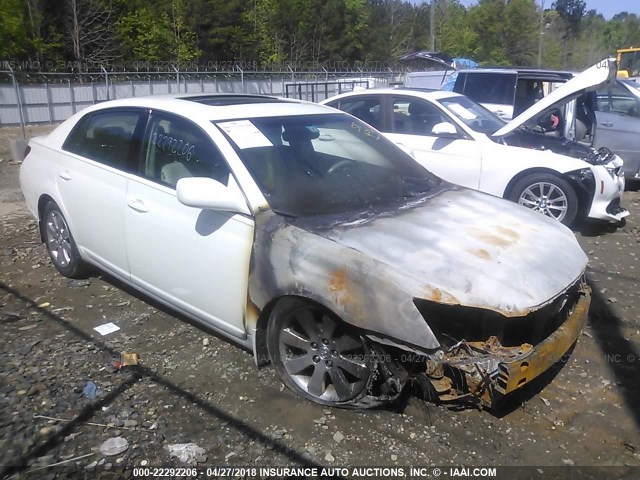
305	235
607	116
464	143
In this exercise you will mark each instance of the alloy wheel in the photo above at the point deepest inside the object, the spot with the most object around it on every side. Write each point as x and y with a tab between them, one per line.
58	239
322	357
546	198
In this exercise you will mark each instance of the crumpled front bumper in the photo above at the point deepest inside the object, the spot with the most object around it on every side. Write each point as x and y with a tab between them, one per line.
514	374
485	372
609	190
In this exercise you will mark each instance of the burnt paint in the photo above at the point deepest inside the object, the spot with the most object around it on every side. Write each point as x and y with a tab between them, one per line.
453	246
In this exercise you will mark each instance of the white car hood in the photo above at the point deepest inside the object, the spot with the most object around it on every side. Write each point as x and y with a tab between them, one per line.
594	78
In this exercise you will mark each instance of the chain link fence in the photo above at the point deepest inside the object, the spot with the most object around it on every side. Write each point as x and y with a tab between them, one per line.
28	98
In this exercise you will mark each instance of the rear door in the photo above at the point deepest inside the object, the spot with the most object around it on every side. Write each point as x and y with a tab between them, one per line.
93	179
618	125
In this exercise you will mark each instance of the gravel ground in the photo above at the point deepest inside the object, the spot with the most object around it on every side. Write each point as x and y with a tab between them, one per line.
193	387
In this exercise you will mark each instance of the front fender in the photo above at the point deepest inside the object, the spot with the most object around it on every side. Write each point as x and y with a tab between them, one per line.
362	292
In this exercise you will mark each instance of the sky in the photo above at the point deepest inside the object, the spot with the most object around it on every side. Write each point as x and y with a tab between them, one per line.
608	8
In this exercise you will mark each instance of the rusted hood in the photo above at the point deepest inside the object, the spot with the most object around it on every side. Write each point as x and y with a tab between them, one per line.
468	248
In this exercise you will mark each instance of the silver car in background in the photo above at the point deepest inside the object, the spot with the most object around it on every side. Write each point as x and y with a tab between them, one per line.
618	124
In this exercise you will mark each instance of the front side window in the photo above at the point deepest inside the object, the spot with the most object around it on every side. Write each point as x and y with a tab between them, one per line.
175	148
324	164
415	117
106	137
618	99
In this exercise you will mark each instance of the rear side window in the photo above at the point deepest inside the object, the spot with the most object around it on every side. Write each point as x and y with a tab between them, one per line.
106	137
490	87
366	109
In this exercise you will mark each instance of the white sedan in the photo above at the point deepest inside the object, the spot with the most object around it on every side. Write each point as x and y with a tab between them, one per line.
313	241
464	143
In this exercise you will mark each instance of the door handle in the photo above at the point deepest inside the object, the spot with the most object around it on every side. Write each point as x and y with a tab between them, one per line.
137	205
65	175
606	124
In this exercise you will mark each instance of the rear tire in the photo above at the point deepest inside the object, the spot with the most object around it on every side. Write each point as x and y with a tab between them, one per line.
547	194
60	244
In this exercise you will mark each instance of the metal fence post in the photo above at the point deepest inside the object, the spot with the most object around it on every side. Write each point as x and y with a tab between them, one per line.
18	100
49	105
72	98
177	77
241	79
106	79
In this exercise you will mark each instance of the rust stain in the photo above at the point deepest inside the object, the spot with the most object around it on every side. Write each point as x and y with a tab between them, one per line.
492	239
344	294
251	314
479	252
436	295
337	281
507	232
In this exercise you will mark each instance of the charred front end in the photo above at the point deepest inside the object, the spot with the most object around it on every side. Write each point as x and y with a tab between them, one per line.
485	355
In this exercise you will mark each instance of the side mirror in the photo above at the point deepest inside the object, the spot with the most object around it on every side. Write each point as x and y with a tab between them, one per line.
444	128
202	192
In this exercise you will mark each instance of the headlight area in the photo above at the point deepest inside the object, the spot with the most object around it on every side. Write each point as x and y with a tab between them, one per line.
584	183
486	355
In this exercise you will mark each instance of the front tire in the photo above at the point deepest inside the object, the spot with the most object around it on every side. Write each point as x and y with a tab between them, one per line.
60	244
547	194
318	356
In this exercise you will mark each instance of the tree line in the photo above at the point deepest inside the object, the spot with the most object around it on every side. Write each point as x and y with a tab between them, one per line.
82	35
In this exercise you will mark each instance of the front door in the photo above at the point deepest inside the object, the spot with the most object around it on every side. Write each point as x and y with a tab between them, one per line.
454	158
618	126
195	259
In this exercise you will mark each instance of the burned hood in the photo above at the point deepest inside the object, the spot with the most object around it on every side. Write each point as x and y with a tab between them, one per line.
594	78
463	247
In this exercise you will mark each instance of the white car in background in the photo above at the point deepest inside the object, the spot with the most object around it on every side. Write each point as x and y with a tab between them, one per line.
464	143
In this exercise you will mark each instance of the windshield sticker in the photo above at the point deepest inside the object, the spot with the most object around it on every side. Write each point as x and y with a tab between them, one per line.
245	134
462	112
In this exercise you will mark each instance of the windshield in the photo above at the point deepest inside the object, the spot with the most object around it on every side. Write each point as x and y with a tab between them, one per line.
474	115
324	164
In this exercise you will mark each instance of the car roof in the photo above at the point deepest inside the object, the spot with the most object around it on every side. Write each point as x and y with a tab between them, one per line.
524	72
216	107
415	92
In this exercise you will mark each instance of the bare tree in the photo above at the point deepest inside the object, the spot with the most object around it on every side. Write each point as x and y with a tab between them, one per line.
90	24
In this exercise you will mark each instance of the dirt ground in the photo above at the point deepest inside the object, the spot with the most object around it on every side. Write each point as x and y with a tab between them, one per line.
195	387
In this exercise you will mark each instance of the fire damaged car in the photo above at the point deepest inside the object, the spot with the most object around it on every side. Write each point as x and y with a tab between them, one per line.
310	239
